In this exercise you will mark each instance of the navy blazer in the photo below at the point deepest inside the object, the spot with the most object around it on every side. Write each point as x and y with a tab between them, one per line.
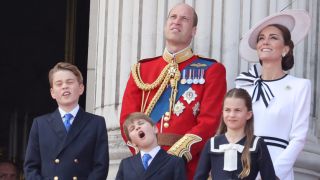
164	166
82	153
213	161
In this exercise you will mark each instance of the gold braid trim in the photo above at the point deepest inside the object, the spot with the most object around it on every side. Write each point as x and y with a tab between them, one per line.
183	145
157	96
169	73
174	91
146	86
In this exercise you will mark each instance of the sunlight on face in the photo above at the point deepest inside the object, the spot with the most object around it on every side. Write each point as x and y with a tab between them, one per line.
66	89
270	44
179	29
235	113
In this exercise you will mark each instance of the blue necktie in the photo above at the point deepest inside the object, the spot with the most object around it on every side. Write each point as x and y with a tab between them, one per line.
67	117
145	159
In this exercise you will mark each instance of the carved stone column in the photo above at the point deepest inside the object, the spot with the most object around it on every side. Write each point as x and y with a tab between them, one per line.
117	151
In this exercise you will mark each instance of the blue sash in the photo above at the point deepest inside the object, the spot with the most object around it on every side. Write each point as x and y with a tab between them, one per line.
162	105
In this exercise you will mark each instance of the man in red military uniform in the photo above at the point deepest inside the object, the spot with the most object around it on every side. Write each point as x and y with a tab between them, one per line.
180	91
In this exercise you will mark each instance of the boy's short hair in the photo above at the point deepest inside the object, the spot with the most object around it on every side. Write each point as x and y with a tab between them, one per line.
134	116
67	67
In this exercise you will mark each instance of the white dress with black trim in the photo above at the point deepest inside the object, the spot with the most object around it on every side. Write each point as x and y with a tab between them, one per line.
281	114
223	159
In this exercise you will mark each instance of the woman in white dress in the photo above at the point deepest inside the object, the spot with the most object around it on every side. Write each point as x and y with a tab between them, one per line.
281	102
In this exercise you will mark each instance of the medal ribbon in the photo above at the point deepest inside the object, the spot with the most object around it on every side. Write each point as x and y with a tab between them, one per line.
163	103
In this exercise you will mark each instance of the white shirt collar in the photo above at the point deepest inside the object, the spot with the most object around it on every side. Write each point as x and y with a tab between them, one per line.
152	153
74	112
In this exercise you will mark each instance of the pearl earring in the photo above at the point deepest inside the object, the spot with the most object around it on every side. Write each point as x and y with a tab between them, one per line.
283	54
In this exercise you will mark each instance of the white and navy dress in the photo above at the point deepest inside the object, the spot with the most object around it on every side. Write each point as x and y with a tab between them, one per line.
223	159
281	111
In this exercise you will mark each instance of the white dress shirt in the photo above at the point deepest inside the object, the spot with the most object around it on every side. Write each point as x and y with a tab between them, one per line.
152	153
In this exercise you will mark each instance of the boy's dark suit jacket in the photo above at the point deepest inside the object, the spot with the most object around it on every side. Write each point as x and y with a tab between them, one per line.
163	167
81	154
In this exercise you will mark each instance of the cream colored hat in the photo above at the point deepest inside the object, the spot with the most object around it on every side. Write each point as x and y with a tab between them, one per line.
297	21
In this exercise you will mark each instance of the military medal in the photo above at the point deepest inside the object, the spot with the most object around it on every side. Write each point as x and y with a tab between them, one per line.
196	108
178	108
189	80
190	95
202	80
183	80
196	78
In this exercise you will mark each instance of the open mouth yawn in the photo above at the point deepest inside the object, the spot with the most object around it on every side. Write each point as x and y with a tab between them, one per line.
141	134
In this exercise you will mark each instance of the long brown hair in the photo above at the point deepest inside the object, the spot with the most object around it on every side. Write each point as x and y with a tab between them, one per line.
248	130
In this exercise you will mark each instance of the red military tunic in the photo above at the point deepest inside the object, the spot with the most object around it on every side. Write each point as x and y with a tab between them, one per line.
201	122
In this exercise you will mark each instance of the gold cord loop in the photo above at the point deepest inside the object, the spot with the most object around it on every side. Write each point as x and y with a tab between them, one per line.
169	74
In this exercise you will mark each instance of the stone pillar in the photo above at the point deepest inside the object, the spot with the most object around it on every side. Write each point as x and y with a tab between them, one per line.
231	39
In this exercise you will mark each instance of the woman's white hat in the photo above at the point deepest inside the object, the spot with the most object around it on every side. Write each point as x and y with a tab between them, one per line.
297	21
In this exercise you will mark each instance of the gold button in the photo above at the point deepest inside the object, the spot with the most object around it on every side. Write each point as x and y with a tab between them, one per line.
166	125
166	118
76	161
55	178
74	178
167	114
56	161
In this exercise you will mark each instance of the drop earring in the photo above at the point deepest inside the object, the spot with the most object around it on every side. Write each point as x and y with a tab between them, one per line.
283	54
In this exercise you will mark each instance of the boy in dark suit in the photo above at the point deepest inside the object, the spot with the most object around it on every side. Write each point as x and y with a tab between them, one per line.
68	143
151	162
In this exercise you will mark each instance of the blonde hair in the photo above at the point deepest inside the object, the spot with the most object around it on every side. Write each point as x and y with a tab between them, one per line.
248	130
67	67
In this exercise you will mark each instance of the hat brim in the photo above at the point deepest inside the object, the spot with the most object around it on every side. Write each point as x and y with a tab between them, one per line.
297	22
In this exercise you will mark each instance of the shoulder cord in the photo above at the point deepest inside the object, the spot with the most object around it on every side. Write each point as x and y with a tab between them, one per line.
170	73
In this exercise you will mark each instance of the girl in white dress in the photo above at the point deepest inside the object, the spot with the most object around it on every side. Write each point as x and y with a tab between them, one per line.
281	102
